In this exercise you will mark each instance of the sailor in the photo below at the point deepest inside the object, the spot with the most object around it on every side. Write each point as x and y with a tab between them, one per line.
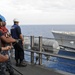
19	51
2	67
8	40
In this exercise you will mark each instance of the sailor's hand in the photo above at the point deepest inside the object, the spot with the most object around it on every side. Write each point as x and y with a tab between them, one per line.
4	58
7	35
17	41
7	57
23	42
8	47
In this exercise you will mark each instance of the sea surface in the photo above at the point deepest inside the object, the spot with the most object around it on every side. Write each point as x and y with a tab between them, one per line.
45	31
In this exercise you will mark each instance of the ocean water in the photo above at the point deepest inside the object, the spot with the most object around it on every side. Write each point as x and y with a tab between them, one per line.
45	31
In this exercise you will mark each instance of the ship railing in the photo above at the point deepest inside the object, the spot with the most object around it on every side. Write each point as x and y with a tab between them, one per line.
46	46
41	49
42	46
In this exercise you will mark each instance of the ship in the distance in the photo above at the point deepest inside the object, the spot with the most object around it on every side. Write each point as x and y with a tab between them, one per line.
65	39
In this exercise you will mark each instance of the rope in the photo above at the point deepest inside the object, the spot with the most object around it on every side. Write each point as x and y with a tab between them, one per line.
16	70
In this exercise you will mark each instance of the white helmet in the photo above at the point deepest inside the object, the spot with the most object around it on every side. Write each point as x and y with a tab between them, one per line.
15	20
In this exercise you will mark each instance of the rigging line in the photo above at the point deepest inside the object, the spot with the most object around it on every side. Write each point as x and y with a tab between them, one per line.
16	70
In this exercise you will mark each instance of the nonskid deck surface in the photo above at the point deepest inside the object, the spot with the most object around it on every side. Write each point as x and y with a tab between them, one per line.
35	70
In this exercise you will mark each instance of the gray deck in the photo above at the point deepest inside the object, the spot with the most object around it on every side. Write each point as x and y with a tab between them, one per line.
36	70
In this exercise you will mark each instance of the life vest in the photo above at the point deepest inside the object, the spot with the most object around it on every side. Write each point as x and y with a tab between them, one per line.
4	30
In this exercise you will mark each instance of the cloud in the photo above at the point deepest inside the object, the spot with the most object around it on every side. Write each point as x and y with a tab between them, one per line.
39	11
37	5
44	4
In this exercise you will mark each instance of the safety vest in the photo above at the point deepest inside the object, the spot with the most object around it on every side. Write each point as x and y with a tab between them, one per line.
4	30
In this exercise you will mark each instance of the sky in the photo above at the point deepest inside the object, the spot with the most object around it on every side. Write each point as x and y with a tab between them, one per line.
39	12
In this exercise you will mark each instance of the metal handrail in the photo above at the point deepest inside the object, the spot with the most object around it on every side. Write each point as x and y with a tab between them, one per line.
52	38
53	60
53	55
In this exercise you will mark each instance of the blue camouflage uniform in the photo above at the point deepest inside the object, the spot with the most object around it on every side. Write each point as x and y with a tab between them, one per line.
2	66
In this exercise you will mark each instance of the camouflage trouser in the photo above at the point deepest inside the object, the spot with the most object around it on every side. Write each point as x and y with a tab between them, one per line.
7	64
2	69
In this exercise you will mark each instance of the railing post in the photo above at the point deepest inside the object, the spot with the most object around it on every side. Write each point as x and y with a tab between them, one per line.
40	48
32	53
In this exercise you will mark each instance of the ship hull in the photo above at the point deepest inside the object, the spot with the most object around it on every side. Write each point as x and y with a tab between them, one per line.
65	39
